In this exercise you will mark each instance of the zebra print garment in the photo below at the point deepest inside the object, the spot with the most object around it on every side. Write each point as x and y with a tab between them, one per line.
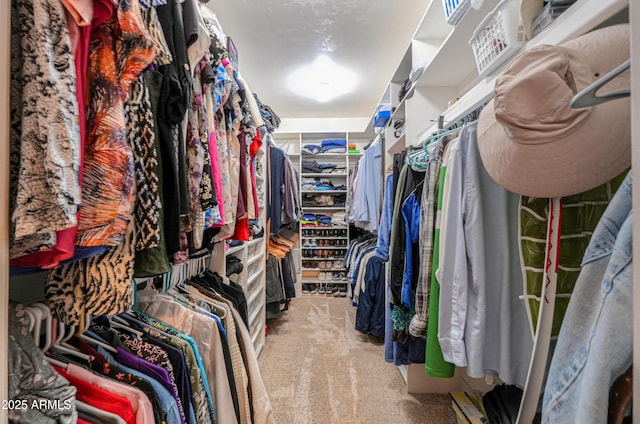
99	285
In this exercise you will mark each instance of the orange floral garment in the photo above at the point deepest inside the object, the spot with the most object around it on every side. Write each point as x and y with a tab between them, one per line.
120	50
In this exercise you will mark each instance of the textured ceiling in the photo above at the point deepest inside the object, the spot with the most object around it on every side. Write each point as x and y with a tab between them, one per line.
273	37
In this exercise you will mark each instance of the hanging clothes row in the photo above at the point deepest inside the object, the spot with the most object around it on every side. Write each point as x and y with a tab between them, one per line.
366	188
473	300
183	356
152	162
281	275
284	207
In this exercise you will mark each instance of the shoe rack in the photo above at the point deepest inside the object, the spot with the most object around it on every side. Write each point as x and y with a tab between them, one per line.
322	247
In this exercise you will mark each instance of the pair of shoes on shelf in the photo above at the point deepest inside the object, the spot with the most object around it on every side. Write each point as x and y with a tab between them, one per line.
326	276
335	291
310	243
305	288
342	291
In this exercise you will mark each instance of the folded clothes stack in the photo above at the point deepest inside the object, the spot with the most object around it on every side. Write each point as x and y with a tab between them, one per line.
311	149
319	184
309	220
323	220
334	146
315	167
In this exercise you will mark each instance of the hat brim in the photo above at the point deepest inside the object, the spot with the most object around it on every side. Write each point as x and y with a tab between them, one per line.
594	153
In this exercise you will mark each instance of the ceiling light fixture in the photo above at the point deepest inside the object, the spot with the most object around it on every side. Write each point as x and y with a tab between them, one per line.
322	80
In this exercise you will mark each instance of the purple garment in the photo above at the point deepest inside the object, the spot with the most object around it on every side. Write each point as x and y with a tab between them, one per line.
147	368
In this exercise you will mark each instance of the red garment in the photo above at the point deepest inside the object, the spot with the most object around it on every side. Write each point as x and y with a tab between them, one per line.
253	151
100	398
242	230
81	421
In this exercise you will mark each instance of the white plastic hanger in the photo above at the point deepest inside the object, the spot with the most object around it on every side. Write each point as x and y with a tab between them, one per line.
63	336
48	329
589	97
117	322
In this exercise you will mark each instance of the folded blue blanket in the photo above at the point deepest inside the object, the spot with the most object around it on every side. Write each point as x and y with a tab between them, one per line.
333	143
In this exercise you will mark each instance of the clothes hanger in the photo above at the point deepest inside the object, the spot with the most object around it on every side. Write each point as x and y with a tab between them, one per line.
35	320
70	350
220	312
48	318
436	136
118	323
589	97
90	340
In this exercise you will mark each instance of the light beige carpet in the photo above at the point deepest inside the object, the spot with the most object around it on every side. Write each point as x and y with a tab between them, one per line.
318	369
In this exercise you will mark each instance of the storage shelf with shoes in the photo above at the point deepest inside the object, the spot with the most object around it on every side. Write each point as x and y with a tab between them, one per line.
325	164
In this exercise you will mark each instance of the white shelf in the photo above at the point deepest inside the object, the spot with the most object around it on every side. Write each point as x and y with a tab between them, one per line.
326	248
321	174
323	269
253	297
252	278
326	208
324	155
257	330
235	249
575	21
253	315
399	113
397	145
325	228
255	258
324	192
315	280
255	241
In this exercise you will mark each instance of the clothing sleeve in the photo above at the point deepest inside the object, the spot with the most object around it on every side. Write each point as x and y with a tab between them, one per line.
372	186
452	271
384	232
410	209
360	195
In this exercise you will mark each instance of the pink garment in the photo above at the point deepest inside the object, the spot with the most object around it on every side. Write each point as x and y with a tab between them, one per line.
140	403
253	151
215	172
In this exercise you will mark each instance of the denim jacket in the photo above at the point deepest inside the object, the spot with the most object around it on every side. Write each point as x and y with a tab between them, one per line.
595	341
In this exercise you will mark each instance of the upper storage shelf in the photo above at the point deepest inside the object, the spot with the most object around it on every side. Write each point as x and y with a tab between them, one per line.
454	66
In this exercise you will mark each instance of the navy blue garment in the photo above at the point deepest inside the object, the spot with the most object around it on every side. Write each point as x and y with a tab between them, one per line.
370	314
276	175
288	277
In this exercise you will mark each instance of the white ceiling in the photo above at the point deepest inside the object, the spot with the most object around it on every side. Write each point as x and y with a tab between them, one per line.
273	37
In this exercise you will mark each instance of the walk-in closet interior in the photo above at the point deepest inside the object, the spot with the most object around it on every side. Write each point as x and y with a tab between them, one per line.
319	211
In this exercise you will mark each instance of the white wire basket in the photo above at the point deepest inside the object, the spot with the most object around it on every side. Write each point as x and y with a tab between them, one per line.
454	9
497	37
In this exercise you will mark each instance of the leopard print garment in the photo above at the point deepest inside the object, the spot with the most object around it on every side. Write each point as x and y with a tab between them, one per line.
44	137
141	138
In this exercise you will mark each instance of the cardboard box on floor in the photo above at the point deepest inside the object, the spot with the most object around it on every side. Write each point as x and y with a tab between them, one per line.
466	410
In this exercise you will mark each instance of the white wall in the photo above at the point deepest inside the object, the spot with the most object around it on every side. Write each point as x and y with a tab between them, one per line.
323	125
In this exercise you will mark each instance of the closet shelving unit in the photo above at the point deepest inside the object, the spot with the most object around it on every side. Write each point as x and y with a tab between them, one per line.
450	73
292	144
313	239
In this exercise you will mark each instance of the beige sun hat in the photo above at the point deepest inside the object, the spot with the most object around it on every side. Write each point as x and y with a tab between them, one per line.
533	143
